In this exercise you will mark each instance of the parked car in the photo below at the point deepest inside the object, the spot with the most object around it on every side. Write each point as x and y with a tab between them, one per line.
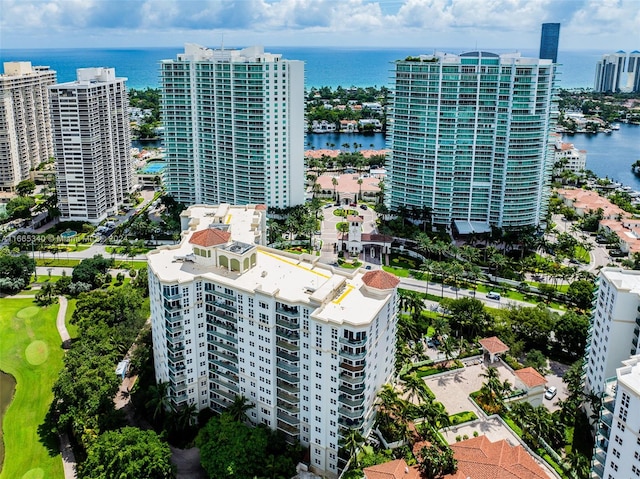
364	207
551	392
493	295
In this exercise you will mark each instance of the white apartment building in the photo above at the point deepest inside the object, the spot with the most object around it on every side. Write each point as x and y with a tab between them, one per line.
573	159
92	143
618	72
615	326
25	126
469	138
233	127
617	447
309	346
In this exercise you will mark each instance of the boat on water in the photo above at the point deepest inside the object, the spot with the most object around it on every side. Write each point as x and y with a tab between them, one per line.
615	126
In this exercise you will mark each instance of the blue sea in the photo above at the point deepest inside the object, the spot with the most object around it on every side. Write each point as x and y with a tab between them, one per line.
324	66
608	155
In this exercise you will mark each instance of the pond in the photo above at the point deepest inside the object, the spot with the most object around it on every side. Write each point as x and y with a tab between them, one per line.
7	388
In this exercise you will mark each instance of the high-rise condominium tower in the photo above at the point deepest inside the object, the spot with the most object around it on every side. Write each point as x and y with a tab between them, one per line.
25	127
615	328
307	345
549	41
92	144
233	124
469	136
617	445
609	72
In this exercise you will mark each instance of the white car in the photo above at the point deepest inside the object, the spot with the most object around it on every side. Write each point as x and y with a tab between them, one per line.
493	295
551	392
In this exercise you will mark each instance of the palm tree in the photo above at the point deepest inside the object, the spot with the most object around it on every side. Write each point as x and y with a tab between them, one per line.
238	409
455	271
415	388
351	443
158	402
360	181
184	417
448	347
334	182
492	386
427	268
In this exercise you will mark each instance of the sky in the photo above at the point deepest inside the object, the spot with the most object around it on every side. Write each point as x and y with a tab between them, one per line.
605	25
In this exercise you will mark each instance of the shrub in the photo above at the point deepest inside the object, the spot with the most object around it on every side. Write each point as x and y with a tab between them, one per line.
475	433
458	438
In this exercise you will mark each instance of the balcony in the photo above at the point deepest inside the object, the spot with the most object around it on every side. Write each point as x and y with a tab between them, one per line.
606	417
222	315
176	366
353	380
351	414
352	390
176	376
172	319
289	388
176	356
638	319
289	346
221	335
349	401
172	305
292	368
281	353
222	355
222	345
288	419
634	341
353	355
288	408
173	328
175	347
222	294
287	335
290	398
225	394
288	428
604	431
350	423
222	305
287	377
291	311
170	297
284	323
226	365
177	389
353	342
351	367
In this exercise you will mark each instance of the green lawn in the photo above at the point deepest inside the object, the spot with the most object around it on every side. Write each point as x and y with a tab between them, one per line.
72	328
31	352
582	254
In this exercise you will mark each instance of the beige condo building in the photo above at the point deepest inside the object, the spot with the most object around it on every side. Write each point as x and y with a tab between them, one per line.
25	127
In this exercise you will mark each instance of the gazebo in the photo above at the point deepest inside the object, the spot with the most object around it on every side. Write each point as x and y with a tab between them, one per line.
493	347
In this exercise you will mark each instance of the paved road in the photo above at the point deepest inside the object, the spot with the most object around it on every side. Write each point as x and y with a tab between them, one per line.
450	292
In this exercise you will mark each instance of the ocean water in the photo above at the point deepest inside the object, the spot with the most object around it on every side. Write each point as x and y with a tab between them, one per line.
323	66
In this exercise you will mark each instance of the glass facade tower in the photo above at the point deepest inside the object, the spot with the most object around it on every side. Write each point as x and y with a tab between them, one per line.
549	41
233	124
469	136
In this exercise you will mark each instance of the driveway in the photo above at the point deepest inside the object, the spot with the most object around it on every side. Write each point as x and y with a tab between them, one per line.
554	378
453	389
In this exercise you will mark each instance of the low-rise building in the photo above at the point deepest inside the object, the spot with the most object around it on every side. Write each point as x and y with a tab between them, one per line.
309	346
570	157
586	201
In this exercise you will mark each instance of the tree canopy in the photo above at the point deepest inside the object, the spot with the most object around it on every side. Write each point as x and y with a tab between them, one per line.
127	453
234	450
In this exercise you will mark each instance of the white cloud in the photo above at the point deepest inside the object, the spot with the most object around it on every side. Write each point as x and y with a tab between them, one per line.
326	22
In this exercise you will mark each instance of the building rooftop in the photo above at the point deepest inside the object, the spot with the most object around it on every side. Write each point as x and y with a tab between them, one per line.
493	345
530	377
623	279
629	374
210	237
334	295
397	469
479	458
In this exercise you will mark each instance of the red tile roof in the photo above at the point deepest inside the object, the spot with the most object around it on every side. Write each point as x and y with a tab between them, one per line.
530	377
261	207
479	458
210	237
380	279
354	218
397	469
493	345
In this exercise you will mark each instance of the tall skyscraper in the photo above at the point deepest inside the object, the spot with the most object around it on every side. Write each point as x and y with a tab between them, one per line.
25	126
92	144
609	72
549	41
309	346
633	72
470	138
233	124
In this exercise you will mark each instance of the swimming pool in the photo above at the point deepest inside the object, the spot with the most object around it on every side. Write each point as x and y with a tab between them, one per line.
153	167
